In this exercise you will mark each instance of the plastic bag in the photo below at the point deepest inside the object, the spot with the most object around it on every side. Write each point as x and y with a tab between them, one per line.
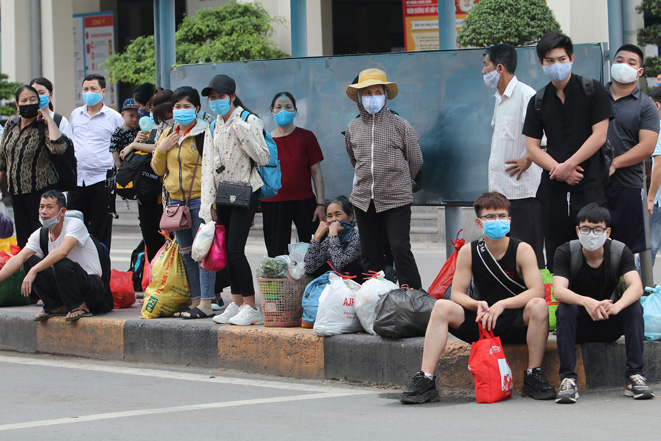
310	301
491	373
445	276
336	313
367	298
6	224
146	274
297	256
403	313
168	292
216	258
547	277
121	286
652	313
273	268
203	240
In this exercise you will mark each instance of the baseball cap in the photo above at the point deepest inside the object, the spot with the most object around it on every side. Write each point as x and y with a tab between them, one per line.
221	84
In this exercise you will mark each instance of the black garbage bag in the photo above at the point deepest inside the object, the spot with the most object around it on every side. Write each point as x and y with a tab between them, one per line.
403	313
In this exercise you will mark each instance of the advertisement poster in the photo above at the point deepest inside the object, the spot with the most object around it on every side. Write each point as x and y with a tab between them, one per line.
421	22
94	43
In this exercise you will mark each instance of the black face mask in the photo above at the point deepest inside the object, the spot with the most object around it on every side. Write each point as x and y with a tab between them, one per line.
28	111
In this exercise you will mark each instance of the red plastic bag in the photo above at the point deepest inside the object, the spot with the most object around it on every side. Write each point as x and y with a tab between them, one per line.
4	258
146	271
216	259
121	285
491	373
444	278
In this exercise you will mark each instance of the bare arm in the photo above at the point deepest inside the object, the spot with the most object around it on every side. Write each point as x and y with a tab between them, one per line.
638	153
462	278
53	257
591	145
633	292
539	156
14	264
562	293
318	181
654	184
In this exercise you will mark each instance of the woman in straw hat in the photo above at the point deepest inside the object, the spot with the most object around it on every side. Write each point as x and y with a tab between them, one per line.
384	152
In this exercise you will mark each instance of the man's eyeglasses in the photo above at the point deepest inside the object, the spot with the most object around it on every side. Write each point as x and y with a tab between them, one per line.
501	216
597	230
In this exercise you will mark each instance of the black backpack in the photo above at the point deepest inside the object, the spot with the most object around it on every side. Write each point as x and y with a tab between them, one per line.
135	178
65	165
104	259
606	151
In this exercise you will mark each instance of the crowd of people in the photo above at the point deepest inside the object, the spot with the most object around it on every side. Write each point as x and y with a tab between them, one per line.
565	162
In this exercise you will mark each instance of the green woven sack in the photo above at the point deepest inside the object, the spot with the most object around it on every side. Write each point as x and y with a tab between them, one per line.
10	291
547	277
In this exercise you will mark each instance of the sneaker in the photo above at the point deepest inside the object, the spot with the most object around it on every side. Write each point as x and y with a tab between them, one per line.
230	311
536	385
247	316
568	392
421	390
637	388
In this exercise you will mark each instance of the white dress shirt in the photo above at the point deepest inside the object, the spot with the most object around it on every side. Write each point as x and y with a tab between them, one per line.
91	139
64	126
508	143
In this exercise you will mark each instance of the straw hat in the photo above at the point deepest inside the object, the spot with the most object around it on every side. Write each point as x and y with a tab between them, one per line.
370	77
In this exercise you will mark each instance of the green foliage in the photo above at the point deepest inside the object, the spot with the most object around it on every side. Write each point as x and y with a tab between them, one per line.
650	8
8	91
649	35
652	65
513	22
232	32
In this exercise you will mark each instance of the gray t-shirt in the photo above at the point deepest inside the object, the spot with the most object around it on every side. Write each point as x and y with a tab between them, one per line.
633	113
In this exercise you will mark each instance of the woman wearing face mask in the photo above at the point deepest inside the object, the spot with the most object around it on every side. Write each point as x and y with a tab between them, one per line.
177	158
300	161
25	158
232	155
335	241
45	89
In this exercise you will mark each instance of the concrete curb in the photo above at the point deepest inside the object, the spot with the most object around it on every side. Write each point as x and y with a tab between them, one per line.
290	352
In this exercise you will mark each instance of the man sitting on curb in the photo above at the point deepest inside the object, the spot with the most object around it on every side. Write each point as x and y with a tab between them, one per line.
587	271
67	277
504	271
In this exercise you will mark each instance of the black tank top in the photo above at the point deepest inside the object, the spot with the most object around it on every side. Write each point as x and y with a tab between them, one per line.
488	287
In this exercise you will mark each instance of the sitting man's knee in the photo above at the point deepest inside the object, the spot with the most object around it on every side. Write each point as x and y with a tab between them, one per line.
442	309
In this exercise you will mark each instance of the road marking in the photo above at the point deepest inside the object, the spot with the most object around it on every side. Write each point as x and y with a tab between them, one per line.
164	410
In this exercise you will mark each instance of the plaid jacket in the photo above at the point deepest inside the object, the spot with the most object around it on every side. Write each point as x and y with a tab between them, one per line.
385	155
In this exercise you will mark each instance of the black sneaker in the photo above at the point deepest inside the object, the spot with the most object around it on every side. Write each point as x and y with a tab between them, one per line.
536	385
637	388
568	392
421	390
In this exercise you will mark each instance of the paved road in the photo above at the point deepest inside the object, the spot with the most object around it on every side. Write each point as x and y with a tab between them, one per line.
63	399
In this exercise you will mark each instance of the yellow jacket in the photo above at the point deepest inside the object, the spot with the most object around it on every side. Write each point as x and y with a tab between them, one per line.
180	161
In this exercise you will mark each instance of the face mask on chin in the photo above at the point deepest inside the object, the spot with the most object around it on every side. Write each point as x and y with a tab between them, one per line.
52	222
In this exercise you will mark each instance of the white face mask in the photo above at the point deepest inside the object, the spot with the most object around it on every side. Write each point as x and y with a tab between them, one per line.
592	241
491	78
373	104
623	73
50	223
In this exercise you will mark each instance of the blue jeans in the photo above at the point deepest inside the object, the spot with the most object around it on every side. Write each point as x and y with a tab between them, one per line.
655	231
201	282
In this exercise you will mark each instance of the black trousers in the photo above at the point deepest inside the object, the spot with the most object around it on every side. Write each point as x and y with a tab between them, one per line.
526	225
574	325
237	222
26	214
149	215
559	210
93	201
396	225
278	217
67	284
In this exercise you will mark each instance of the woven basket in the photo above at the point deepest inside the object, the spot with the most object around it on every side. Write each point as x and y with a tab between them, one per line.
281	301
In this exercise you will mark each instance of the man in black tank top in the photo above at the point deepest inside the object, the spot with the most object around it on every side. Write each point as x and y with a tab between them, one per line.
511	302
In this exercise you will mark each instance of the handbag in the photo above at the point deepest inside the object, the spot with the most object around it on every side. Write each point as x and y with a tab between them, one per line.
177	217
216	258
492	374
233	195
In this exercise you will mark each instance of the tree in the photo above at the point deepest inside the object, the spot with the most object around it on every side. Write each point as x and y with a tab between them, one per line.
651	9
232	32
513	22
8	91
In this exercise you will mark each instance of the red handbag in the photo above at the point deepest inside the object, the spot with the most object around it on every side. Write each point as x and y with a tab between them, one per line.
491	373
216	258
177	217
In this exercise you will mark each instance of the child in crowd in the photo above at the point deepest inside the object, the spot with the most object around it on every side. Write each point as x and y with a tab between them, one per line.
125	134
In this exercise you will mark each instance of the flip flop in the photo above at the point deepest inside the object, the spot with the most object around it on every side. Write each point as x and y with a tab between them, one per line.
85	313
178	313
197	313
46	317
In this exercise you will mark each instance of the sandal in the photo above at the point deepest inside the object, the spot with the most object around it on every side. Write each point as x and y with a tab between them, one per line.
85	313
178	313
47	316
197	313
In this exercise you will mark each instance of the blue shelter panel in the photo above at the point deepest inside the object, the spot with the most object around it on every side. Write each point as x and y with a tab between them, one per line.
441	93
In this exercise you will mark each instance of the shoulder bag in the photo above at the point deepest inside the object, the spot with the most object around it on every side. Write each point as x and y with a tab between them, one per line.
177	217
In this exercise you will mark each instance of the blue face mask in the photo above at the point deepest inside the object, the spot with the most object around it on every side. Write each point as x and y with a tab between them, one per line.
184	116
374	103
143	112
284	118
92	98
558	71
43	101
496	229
220	107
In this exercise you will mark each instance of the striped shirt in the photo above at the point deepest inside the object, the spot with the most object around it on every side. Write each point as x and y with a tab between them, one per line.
508	142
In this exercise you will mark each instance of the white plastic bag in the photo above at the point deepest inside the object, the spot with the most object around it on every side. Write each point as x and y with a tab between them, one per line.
368	296
203	240
297	256
336	313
